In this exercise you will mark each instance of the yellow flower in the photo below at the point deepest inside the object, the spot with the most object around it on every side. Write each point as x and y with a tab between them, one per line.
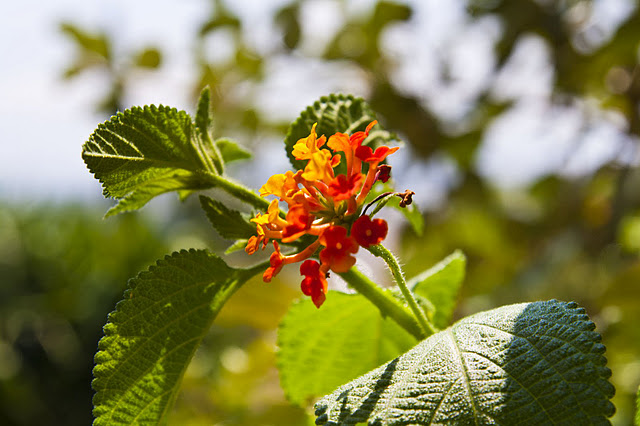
280	185
306	147
319	167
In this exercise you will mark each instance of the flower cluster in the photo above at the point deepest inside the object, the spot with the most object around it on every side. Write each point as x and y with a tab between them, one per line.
324	205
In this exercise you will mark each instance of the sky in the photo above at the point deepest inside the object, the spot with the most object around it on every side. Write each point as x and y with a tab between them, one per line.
44	120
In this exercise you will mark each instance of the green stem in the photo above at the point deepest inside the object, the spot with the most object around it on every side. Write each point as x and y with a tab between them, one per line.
237	190
387	304
381	251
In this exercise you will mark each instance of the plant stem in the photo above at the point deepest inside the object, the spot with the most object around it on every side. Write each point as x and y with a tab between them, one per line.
237	190
381	251
387	304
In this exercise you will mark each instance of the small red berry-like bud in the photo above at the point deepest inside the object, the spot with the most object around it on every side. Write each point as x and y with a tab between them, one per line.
369	232
314	283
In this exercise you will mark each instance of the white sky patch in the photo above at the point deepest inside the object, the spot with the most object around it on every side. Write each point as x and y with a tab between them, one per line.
430	179
527	142
604	19
527	72
601	143
293	83
321	20
442	56
45	120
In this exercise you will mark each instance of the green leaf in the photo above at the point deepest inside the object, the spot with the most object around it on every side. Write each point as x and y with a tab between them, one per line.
144	152
231	151
440	285
321	349
97	44
288	19
335	113
638	407
236	246
153	333
148	58
413	214
531	363
203	125
230	224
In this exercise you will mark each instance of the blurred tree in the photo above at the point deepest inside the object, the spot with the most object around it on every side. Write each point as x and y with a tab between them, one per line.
62	270
94	51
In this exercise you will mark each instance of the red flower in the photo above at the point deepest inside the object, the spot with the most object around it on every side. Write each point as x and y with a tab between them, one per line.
342	188
366	154
314	283
369	232
357	138
338	250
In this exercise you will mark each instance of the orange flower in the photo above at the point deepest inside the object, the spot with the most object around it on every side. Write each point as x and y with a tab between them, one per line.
343	188
298	221
323	204
276	262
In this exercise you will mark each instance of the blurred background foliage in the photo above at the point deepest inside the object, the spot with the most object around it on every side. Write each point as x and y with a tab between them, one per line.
569	231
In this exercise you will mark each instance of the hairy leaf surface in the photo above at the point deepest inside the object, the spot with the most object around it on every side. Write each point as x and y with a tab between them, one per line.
440	285
146	151
531	363
321	349
230	224
335	113
153	333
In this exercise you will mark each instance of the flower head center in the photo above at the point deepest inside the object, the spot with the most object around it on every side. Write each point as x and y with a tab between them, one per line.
324	204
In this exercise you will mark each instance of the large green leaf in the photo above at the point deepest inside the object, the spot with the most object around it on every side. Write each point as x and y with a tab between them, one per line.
321	349
143	152
531	363
440	285
153	333
335	113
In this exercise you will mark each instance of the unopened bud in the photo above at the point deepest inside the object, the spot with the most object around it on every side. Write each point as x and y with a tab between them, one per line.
406	197
383	173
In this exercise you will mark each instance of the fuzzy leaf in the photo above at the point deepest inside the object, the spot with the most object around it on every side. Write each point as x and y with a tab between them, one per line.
531	363
440	285
335	113
321	349
414	216
153	333
230	224
231	151
203	126
144	152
